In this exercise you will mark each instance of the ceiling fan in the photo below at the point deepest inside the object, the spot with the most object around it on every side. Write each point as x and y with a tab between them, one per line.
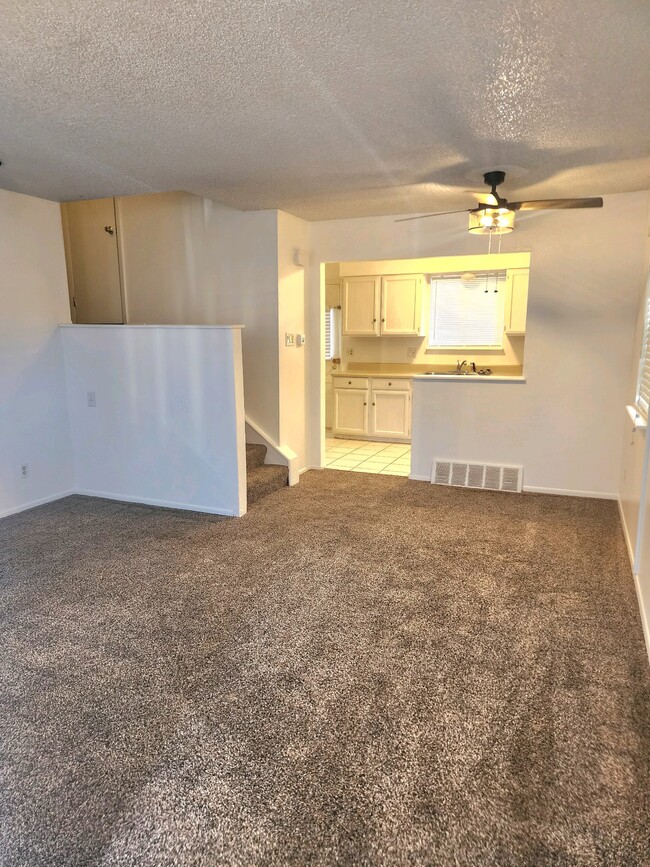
495	215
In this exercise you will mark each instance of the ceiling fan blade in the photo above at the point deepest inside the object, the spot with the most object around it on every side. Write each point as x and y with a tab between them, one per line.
555	204
422	216
486	199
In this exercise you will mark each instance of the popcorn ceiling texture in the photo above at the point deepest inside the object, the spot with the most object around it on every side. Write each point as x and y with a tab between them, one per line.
364	670
324	109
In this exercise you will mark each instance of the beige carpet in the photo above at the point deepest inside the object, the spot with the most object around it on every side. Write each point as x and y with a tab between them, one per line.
364	670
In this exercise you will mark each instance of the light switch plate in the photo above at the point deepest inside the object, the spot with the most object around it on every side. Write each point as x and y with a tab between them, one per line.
288	339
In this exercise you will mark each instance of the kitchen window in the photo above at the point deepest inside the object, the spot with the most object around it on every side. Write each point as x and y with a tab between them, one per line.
642	401
332	331
467	311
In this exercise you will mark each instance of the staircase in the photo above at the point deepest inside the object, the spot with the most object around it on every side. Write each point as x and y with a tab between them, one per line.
261	478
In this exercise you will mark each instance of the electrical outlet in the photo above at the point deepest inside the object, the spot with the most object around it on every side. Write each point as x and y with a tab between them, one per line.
411	352
91	399
24	471
350	352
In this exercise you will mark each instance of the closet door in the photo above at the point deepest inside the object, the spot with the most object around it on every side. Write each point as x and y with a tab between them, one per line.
90	237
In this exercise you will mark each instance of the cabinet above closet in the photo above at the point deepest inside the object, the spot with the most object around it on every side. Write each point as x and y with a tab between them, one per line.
139	259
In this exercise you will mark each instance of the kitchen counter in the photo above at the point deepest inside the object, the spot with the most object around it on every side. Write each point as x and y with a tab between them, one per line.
452	377
421	376
376	373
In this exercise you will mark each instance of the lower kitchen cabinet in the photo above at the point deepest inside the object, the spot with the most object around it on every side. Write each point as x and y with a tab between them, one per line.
350	411
390	414
375	408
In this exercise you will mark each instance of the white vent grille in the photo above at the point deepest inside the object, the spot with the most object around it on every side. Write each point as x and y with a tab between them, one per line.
491	477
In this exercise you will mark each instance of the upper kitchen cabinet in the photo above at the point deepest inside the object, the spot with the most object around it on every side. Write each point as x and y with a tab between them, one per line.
516	300
382	305
400	304
90	236
361	303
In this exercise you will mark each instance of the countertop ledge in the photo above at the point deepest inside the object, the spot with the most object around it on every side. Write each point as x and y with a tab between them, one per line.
451	377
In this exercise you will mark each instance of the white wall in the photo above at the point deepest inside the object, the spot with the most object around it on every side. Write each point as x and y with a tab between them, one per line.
245	268
634	489
584	291
293	234
168	425
33	300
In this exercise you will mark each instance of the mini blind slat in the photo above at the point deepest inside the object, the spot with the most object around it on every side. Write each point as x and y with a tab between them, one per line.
464	314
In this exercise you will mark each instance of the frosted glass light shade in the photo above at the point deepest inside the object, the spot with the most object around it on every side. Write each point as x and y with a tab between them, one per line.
495	221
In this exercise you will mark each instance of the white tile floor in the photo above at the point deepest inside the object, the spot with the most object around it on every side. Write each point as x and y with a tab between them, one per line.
364	456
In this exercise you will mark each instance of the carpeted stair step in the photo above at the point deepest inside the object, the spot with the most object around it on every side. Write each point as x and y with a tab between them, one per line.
255	456
265	479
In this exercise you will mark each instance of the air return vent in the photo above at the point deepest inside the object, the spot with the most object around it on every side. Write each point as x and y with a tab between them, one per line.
490	477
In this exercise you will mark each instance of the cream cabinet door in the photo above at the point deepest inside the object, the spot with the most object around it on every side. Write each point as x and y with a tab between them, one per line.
390	414
90	237
361	297
350	411
400	304
517	289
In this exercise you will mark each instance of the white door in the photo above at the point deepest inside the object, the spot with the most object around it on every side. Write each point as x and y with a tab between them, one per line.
360	303
91	245
400	304
390	414
350	411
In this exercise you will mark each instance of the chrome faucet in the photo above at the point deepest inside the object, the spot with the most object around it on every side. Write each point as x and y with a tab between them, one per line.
459	366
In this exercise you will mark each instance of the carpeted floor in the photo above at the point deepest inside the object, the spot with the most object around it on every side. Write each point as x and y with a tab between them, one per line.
364	670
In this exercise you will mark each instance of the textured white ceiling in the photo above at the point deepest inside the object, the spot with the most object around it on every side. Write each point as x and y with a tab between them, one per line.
324	108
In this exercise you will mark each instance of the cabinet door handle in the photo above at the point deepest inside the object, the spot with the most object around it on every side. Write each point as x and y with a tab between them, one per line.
364	403
373	321
390	383
349	382
383	320
373	403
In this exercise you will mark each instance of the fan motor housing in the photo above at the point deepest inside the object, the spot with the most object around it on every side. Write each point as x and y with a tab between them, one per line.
493	179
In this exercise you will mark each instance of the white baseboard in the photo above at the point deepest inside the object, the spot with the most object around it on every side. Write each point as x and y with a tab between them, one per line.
164	504
645	619
626	535
645	615
417	478
563	492
32	505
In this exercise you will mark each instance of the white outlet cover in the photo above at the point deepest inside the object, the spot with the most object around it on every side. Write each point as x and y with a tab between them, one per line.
91	399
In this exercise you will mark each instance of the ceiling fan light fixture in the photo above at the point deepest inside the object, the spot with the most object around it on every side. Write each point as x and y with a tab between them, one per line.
491	221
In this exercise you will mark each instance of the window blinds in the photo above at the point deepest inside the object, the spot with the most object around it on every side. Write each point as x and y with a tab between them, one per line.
643	383
328	335
463	313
